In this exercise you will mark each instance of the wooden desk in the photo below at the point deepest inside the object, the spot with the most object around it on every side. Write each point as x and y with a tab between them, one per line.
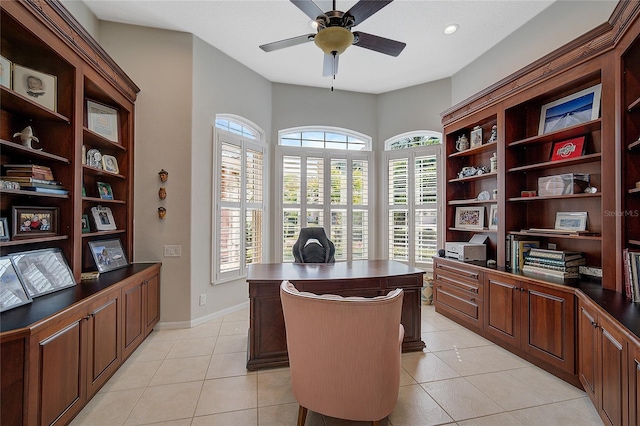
368	278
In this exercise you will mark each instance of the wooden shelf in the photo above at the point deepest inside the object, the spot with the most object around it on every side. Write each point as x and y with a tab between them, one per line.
15	102
16	148
551	235
92	139
473	151
476	177
589	158
103	201
100	172
633	105
483	230
102	233
31	193
569	132
472	201
555	197
26	241
634	145
633	190
634	242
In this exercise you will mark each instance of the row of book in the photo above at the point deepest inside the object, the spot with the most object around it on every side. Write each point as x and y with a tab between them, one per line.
554	263
631	260
33	177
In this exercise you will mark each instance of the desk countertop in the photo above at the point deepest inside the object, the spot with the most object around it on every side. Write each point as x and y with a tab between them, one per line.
333	271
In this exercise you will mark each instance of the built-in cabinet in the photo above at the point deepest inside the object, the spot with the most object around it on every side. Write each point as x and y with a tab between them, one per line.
459	291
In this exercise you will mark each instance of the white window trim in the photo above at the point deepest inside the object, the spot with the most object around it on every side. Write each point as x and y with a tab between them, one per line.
411	154
258	145
327	129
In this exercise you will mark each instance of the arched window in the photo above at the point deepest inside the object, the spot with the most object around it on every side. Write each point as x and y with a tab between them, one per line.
325	180
413	161
240	197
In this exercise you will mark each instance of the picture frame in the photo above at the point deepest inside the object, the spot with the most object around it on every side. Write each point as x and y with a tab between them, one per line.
577	108
108	254
43	271
36	86
110	164
5	72
103	120
85	224
94	158
105	191
103	219
476	137
570	148
469	218
4	229
571	221
12	291
493	217
34	222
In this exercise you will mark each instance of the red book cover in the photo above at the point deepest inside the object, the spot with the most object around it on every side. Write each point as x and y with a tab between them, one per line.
567	149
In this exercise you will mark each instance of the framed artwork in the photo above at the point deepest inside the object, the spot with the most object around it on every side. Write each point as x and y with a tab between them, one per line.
108	255
32	222
105	191
5	72
493	217
103	120
4	229
43	271
571	110
103	218
571	148
476	137
469	217
110	164
571	221
12	292
85	224
36	86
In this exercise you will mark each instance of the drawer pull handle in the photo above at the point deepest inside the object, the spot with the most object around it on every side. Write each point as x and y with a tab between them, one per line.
473	299
594	324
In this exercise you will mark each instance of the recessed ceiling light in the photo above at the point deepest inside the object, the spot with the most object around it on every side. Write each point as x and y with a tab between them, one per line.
451	28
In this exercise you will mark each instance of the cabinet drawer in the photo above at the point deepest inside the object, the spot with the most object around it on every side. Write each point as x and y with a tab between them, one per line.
472	288
458	300
458	270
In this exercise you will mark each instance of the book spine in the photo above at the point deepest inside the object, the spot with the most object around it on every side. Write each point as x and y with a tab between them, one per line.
507	254
549	272
546	254
553	267
627	274
553	262
635	264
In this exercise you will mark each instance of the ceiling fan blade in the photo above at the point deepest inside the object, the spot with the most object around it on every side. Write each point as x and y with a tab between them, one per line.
330	65
378	44
294	41
309	8
365	8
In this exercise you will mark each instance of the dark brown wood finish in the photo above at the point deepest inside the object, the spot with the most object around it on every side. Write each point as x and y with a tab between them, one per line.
634	383
267	339
588	348
459	291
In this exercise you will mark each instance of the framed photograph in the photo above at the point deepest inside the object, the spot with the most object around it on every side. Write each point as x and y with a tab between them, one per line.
12	292
35	85
493	217
469	217
571	221
108	255
5	72
571	110
476	137
103	120
43	271
105	191
571	148
33	222
4	229
103	218
110	164
85	224
94	158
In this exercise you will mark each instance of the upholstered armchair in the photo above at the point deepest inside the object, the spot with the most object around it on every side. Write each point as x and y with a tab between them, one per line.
313	246
344	353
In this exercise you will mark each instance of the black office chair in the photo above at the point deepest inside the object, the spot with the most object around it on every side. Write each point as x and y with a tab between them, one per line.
313	246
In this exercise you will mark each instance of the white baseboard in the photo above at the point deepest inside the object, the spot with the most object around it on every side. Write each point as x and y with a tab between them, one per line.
194	322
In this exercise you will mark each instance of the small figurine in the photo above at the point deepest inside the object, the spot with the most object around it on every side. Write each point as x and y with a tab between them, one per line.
26	136
164	175
494	134
162	193
462	144
494	163
162	212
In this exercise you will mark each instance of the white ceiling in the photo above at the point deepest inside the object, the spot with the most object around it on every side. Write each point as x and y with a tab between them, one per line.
238	27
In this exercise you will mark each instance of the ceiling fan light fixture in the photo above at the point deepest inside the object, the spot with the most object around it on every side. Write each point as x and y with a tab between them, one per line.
333	39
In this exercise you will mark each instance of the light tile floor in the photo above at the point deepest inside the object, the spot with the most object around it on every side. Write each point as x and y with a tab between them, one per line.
197	376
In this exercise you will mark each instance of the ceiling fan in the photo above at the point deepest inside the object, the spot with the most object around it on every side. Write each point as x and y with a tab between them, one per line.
334	32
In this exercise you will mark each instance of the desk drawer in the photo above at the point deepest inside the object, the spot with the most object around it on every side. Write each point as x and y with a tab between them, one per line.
470	288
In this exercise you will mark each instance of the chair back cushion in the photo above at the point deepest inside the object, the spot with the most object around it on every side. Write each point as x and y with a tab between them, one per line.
313	246
344	352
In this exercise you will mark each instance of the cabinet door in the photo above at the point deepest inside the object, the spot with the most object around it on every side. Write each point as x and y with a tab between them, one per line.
58	376
502	296
133	313
103	332
613	374
152	301
634	385
548	326
588	348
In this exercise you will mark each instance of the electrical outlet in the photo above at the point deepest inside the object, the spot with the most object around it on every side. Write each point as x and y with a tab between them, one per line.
172	251
203	299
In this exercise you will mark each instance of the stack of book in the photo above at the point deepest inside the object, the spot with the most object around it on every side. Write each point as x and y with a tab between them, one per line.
631	261
33	177
554	263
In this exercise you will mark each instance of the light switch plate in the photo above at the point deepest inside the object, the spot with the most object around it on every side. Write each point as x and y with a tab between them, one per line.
172	251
